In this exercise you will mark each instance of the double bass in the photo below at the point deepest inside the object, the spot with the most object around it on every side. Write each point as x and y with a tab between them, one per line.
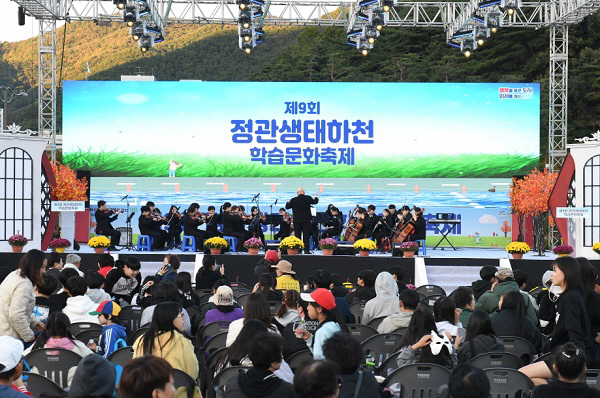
353	227
407	229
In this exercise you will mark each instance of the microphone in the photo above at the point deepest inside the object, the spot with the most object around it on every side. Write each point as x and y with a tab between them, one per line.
124	197
276	201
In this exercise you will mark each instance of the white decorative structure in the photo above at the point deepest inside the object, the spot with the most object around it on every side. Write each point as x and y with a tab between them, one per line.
20	186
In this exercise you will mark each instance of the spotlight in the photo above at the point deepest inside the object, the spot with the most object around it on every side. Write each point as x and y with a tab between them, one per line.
481	35
247	47
371	40
137	30
493	21
119	3
129	16
467	46
243	4
379	26
510	6
494	29
245	19
145	43
378	20
365	52
386	5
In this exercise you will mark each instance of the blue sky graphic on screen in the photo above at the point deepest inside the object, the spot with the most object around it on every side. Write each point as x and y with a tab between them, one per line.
345	130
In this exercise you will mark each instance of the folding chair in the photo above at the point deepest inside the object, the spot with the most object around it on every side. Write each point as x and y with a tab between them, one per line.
508	383
37	385
375	322
419	379
210	330
135	335
53	363
592	378
130	317
299	359
431	290
381	346
361	332
520	347
357	309
183	380
225	375
86	335
490	360
79	327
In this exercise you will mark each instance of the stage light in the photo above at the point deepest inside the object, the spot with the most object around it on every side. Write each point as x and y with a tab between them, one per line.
371	40
494	29
379	26
386	5
510	6
247	47
129	16
120	4
481	35
365	52
467	46
137	30
378	20
243	4
493	21
145	43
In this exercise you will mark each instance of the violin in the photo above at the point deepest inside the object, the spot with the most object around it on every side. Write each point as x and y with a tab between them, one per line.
113	211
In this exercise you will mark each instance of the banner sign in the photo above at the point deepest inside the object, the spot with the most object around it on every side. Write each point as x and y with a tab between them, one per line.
573	212
68	206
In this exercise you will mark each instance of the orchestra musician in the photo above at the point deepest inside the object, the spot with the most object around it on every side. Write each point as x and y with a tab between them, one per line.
333	225
361	215
255	228
300	206
191	221
371	219
233	225
174	227
404	216
212	223
153	209
383	227
104	218
419	231
284	225
150	225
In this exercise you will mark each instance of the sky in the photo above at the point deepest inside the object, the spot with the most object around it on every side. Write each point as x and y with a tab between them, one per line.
9	24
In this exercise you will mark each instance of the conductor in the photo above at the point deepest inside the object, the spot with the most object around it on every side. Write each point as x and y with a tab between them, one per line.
300	205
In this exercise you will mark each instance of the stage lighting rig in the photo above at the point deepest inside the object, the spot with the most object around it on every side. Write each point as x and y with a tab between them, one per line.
120	4
386	5
129	16
137	30
379	18
481	35
493	21
243	4
146	43
245	19
467	46
510	6
371	33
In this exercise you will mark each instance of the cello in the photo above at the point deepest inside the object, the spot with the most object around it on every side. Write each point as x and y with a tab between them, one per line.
353	227
407	229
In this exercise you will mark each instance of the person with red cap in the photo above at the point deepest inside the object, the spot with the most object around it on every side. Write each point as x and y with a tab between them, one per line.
321	307
265	264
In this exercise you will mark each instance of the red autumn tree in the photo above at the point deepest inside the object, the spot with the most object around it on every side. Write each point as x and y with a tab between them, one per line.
68	186
505	228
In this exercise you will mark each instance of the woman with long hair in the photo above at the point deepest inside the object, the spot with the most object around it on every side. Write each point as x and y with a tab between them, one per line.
208	274
572	322
266	287
291	343
58	335
512	320
17	297
165	339
414	346
591	299
256	307
480	337
287	311
183	281
447	316
174	227
164	292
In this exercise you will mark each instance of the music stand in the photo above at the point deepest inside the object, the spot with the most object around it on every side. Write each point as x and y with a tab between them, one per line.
129	245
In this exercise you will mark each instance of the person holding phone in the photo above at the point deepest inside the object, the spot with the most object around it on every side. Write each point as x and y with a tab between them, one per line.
209	273
168	272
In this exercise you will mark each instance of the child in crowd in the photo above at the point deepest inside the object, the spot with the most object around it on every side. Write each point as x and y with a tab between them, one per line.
43	305
95	282
79	305
487	273
63	294
11	367
58	335
106	263
113	334
125	282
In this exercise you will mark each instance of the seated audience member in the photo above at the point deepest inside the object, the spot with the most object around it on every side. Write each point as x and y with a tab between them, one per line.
308	284
208	274
147	377
569	365
73	261
286	279
521	279
291	343
317	380
345	351
480	338
124	283
237	354
260	380
488	302
145	297
94	377
385	302
95	283
322	280
337	286
55	265
113	335
321	307
512	321
63	294
166	292
256	308
415	345
265	264
447	316
266	287
164	339
224	311
591	300
183	281
168	271
487	273
409	300
467	381
287	311
218	284
398	274
79	305
11	368
43	305
106	263
465	301
547	304
365	287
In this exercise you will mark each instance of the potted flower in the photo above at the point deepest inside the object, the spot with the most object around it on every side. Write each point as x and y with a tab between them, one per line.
364	246
562	250
409	248
60	244
291	244
517	249
253	245
596	247
17	242
99	243
327	245
216	244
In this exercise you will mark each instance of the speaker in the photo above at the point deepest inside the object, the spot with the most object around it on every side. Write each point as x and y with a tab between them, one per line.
87	175
21	16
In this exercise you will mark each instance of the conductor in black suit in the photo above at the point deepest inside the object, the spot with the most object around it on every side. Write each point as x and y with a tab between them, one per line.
300	205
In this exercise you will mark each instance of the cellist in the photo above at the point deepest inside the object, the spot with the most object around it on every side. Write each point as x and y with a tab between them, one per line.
419	231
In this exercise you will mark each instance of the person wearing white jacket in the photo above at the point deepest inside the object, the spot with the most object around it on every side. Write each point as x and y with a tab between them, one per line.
79	305
73	261
386	301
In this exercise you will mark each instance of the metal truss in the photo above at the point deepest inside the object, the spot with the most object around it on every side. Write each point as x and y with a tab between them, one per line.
47	81
558	84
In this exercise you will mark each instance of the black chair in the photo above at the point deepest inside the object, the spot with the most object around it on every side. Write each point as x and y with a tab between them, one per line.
207	371
86	335
361	332
205	307
388	366
431	290
225	375
239	285
299	359
430	300
210	330
214	343
53	363
130	317
241	292
37	385
135	335
182	379
520	347
401	331
79	327
195	315
200	292
204	298
357	309
497	360
419	379
535	292
241	300
273	305
592	378
375	322
381	346
508	383
121	356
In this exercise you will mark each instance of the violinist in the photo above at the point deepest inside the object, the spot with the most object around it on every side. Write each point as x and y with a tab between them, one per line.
154	211
150	226
371	219
212	222
104	218
232	222
174	227
333	225
255	227
284	225
191	221
418	232
301	208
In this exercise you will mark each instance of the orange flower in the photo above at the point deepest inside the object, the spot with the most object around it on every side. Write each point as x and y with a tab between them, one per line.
68	186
